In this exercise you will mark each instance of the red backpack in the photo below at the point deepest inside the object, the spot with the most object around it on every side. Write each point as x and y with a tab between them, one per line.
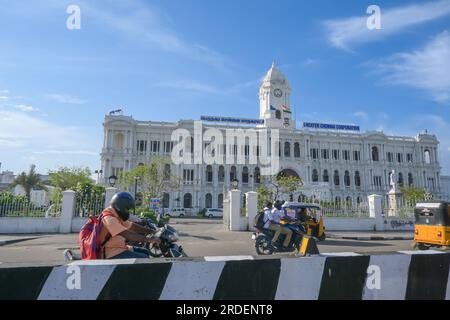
89	238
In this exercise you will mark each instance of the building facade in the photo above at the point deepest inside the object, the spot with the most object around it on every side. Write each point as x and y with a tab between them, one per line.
333	165
445	186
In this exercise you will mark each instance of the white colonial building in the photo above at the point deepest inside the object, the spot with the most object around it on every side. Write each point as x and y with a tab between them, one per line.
342	164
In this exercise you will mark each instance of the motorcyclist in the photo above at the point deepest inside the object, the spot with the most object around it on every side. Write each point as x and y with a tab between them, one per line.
118	230
275	225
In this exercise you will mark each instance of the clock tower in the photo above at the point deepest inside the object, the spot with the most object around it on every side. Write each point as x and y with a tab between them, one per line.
275	100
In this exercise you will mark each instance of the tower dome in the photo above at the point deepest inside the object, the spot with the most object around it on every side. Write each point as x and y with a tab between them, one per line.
275	75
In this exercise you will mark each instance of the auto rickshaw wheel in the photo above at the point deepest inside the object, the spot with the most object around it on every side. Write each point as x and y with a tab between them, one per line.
322	237
422	246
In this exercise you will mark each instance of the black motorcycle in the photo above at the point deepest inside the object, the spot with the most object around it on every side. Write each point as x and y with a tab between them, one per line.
168	236
263	240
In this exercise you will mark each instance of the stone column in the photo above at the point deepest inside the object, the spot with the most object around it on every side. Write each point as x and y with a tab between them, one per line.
68	206
235	210
395	202
110	191
252	205
376	211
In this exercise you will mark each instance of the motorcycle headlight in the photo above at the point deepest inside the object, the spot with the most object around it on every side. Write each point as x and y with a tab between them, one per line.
173	237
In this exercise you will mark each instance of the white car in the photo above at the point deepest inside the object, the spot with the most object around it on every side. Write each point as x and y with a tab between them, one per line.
177	212
210	213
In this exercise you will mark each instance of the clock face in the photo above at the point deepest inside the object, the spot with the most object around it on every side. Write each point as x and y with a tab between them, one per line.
278	93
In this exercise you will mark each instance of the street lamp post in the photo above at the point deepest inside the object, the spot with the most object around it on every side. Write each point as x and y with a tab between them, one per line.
98	172
112	180
235	183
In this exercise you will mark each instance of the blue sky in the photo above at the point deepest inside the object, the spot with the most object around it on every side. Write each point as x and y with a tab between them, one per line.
170	60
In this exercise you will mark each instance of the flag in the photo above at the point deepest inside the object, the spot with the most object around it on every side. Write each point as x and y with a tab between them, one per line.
286	109
272	108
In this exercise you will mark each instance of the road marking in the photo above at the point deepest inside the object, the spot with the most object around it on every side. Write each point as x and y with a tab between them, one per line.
228	258
103	262
421	252
340	254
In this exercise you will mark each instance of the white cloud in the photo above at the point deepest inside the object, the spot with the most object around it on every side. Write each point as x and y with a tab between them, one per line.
361	114
4	91
427	68
347	32
66	99
4	98
25	108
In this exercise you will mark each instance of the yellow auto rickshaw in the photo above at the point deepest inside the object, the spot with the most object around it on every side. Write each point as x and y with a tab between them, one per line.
310	216
432	226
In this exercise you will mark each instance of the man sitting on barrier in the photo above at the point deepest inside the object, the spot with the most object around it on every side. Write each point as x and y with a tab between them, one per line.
275	225
118	230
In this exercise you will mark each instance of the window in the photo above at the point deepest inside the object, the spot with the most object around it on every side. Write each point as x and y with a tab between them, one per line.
296	150
116	171
257	175
347	179
220	200
410	180
245	175
315	176
335	154
287	149
232	173
427	156
356	155
357	179
167	172
278	114
375	155
336	178
431	183
141	146
168	146
187	200
399	157
409	157
325	154
209	174
400	179
315	153
154	145
188	175
390	157
221	174
118	141
326	178
346	155
208	201
166	200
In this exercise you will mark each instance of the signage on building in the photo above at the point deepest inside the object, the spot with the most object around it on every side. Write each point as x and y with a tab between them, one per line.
231	120
345	127
154	203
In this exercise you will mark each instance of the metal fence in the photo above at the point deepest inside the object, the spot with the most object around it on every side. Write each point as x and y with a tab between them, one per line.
20	206
342	209
405	209
90	205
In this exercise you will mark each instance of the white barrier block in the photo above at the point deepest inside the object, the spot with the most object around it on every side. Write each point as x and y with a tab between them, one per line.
192	280
76	282
300	278
228	258
392	274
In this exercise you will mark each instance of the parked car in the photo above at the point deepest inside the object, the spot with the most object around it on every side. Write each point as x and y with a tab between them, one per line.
210	213
177	212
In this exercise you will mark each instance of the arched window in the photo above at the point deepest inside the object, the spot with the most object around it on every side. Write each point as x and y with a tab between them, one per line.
166	200
400	179
347	179
119	141
358	200
245	175
167	172
209	173
220	201
357	179
301	198
278	114
297	150
287	149
348	202
315	175
375	155
336	178
410	180
257	175
233	173
326	178
221	174
337	201
187	200
208	200
427	156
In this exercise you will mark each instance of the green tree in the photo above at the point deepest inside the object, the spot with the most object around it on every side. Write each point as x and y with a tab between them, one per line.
154	179
411	194
69	178
29	181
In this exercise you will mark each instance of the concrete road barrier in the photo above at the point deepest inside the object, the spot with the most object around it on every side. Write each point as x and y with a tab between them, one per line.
400	275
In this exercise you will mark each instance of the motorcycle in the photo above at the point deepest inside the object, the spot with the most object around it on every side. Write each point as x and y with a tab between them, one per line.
168	236
263	239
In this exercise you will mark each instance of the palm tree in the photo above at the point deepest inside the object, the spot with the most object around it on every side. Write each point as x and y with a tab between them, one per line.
29	181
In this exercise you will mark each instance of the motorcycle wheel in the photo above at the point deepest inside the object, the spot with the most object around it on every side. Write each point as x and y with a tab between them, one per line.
154	251
263	245
322	237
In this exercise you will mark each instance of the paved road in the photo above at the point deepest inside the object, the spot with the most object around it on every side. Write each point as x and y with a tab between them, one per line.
199	237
